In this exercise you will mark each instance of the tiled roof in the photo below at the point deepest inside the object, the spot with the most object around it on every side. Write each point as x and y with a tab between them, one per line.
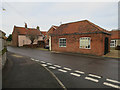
24	31
52	29
44	33
115	34
84	26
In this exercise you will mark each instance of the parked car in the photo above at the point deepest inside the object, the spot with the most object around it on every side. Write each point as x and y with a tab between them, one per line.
117	48
47	47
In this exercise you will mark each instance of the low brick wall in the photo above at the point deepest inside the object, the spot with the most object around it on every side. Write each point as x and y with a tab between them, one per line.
3	49
0	62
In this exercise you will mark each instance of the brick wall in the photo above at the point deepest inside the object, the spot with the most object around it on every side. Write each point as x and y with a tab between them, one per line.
14	38
73	43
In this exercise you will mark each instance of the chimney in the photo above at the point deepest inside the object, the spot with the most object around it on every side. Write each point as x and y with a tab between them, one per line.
25	25
38	27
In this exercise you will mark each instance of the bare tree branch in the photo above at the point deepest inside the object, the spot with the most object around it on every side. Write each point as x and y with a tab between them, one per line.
32	35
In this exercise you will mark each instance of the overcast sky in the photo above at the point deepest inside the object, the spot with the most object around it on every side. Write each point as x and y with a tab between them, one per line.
46	14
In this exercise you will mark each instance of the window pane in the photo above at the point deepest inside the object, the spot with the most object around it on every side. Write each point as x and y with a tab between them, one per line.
85	42
62	42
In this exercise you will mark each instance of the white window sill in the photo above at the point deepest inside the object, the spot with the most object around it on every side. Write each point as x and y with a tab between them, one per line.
84	48
62	46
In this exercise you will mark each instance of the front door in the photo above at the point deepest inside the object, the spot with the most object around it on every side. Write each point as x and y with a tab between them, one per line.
106	46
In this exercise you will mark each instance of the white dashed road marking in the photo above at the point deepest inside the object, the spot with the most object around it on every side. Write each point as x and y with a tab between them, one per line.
49	63
89	78
42	62
111	85
52	67
113	81
94	76
75	74
62	70
37	60
57	66
67	68
78	75
32	59
79	72
44	65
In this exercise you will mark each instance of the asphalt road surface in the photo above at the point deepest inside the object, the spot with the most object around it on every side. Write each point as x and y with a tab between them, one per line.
22	72
77	71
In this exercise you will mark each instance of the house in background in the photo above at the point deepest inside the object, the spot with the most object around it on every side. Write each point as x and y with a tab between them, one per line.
115	38
19	35
81	37
44	34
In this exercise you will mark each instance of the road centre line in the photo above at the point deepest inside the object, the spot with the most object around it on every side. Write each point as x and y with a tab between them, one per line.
52	67
113	81
94	75
37	60
112	85
44	65
32	59
49	63
75	74
62	70
57	66
67	68
79	72
89	78
42	62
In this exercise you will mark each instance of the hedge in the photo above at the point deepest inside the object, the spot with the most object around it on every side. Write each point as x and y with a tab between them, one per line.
3	51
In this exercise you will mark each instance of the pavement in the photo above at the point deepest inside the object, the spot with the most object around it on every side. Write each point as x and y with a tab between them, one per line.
77	71
113	54
22	72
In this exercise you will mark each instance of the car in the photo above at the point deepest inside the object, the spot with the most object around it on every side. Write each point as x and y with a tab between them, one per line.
47	47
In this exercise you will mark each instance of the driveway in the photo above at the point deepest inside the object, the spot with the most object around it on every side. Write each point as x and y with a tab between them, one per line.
105	69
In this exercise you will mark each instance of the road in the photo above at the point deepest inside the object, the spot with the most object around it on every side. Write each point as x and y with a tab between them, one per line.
77	71
21	72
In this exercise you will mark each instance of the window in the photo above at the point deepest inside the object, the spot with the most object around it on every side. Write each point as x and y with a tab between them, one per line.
112	43
85	42
62	42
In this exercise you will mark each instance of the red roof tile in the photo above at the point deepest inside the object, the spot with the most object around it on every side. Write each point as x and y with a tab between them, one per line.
44	33
24	31
84	26
115	34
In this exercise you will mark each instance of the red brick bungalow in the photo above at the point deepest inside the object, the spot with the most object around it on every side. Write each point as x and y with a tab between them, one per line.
115	38
81	37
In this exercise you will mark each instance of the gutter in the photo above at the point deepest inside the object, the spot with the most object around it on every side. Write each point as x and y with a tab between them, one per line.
79	33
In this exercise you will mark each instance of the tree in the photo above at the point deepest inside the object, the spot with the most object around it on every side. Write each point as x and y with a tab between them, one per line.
32	35
9	37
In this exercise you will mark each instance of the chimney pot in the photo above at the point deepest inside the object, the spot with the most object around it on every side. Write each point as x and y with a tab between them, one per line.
25	25
38	27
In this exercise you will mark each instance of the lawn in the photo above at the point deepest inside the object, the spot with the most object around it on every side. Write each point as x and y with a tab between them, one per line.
43	49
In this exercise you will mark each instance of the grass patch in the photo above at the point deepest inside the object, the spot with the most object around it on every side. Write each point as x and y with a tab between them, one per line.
42	49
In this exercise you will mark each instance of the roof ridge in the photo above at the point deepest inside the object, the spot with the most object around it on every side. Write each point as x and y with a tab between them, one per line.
74	22
24	27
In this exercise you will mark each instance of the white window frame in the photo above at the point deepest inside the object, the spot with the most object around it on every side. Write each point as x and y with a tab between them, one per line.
85	47
112	43
59	42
